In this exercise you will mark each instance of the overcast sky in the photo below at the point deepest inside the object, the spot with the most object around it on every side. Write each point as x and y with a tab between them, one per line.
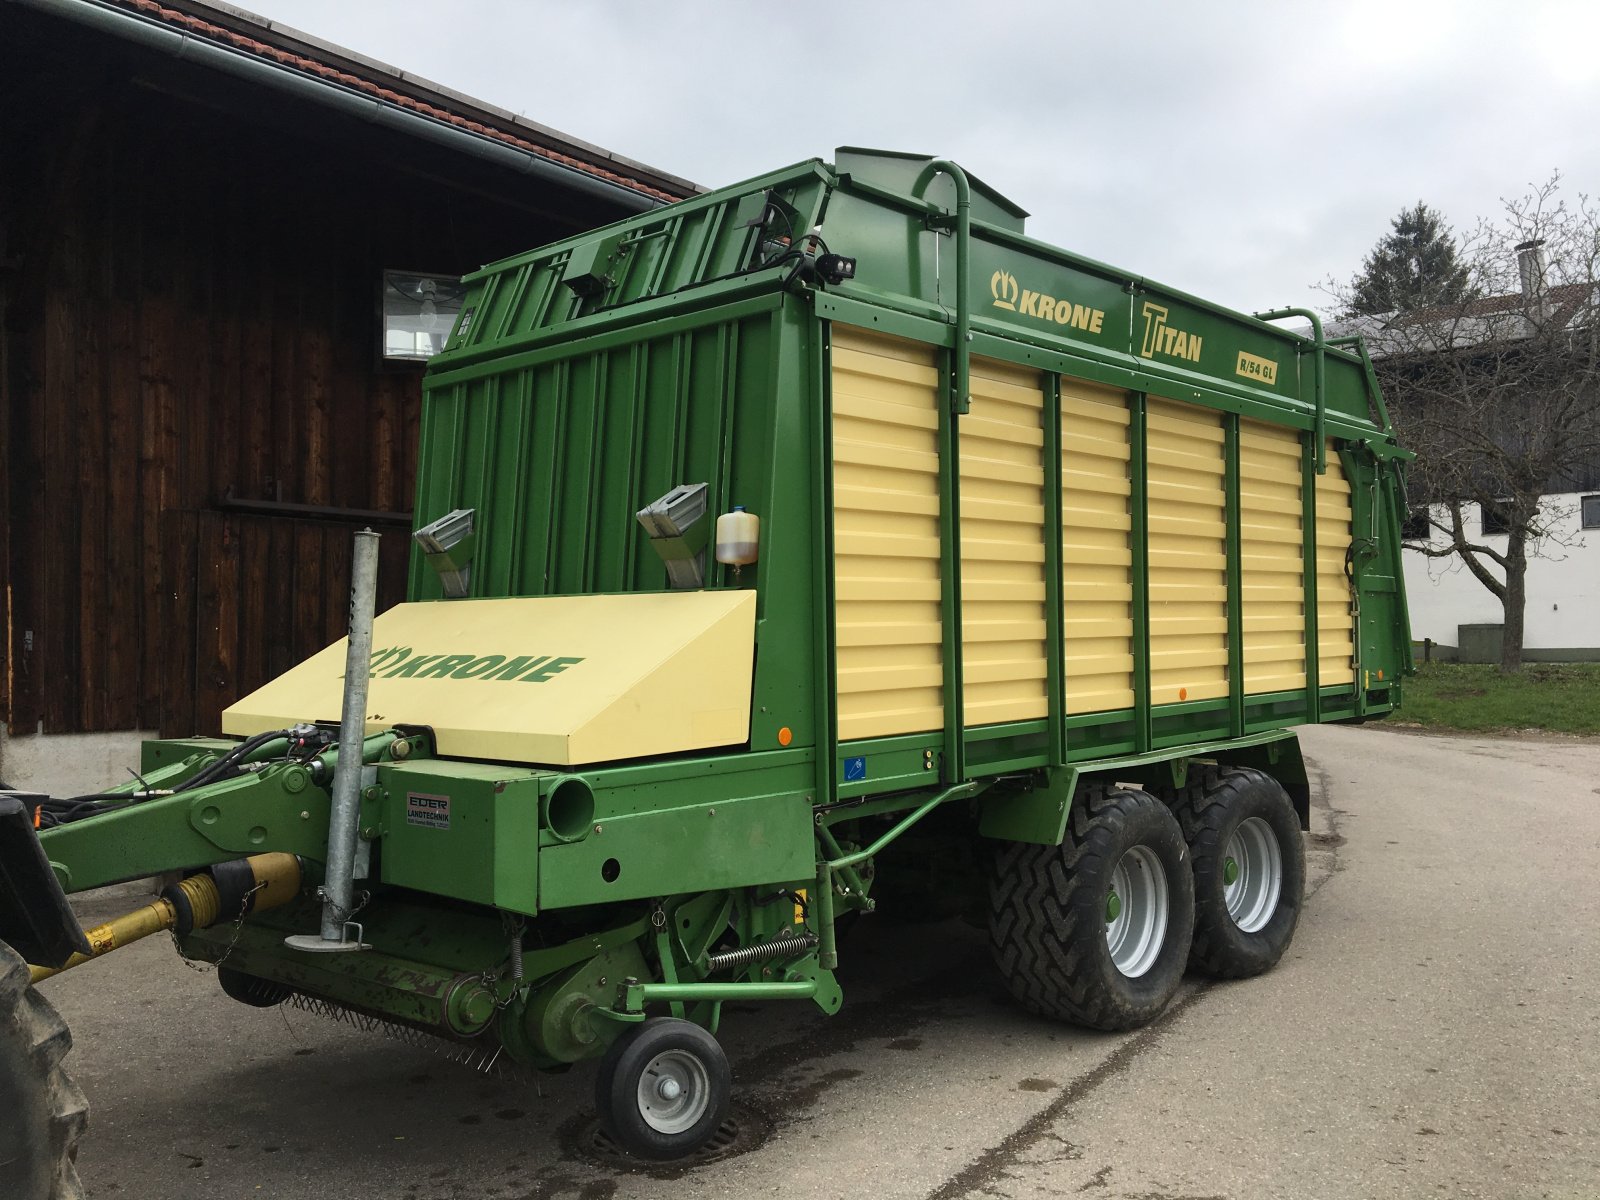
1242	151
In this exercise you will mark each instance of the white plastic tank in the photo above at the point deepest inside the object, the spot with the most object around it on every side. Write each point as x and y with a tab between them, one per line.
738	537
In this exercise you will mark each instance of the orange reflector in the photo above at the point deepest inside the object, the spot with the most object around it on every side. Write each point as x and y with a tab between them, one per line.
1380	674
38	816
1183	693
785	736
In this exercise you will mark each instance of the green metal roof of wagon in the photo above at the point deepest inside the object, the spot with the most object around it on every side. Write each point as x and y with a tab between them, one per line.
893	214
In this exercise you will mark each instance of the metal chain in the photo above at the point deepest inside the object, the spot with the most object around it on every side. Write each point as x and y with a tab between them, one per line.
238	931
366	899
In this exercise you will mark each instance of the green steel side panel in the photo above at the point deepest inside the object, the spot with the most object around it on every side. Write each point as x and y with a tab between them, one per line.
698	847
568	285
464	830
1383	634
898	172
556	459
1035	812
419	948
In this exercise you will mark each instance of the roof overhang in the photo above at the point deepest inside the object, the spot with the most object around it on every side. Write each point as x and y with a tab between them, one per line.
254	49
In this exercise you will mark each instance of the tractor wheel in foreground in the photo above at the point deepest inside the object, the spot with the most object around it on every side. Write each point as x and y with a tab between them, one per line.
42	1112
664	1088
251	989
1096	930
1249	870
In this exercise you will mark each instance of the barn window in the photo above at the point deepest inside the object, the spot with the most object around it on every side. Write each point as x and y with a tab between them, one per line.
1591	512
418	313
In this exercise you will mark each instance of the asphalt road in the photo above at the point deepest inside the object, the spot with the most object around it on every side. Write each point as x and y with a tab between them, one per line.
1434	1031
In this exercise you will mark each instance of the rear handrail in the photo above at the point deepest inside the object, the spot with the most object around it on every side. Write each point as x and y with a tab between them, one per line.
1318	376
963	356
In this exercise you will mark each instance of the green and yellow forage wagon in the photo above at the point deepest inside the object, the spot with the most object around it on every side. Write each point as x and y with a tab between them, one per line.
813	545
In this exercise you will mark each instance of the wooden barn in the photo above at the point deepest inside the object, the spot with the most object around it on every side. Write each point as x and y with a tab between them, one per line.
226	251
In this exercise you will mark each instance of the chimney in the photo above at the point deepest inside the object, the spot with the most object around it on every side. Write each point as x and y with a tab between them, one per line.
1530	263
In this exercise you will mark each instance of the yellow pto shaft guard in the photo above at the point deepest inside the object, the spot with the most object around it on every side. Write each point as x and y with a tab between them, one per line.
222	892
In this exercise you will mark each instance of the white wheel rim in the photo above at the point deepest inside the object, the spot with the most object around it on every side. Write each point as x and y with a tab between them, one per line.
674	1091
1252	874
1136	911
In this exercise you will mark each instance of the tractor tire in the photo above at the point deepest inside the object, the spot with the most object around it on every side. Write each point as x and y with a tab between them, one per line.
252	990
1096	930
42	1112
1249	869
664	1089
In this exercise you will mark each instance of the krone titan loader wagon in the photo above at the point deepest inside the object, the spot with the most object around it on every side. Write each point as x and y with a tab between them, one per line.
1037	565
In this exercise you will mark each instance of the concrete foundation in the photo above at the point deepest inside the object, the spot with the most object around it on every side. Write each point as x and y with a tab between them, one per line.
68	764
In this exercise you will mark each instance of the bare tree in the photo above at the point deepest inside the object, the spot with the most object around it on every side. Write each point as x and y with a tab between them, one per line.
1499	394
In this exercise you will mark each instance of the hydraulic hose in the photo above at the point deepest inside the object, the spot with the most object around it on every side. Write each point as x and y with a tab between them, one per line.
52	812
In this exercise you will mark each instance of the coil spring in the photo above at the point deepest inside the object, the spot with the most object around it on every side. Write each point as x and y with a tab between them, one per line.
777	948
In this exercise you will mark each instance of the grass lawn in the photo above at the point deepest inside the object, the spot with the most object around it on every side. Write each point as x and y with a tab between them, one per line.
1555	697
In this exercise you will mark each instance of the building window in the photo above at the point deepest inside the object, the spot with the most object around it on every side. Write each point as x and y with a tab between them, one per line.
1591	512
418	313
1416	527
1495	520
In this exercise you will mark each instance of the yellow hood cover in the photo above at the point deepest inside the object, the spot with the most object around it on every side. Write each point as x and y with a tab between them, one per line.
563	680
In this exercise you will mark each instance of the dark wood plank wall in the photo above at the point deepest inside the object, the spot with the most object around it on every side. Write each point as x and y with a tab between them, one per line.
190	314
251	597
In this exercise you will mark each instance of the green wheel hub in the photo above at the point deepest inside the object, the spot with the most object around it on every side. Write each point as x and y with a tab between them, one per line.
1113	906
1230	870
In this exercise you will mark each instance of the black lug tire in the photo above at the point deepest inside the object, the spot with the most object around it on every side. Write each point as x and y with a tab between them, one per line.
42	1112
1047	913
616	1087
1210	807
252	989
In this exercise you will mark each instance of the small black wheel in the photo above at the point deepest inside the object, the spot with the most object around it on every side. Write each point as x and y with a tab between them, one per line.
663	1088
1249	870
44	1112
1096	930
251	989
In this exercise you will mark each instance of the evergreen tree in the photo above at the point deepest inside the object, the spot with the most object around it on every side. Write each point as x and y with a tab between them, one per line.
1414	266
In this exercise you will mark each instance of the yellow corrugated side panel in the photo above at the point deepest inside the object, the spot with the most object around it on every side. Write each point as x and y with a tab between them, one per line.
1004	644
563	680
1272	558
1188	554
1335	620
1096	550
886	535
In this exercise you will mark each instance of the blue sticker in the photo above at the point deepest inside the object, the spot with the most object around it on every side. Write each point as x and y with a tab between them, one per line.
855	768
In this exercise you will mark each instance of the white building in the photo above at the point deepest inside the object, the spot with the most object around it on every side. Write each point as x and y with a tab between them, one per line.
1562	614
1562	610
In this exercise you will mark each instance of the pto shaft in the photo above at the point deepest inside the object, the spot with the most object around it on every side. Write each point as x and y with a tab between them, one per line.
225	893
